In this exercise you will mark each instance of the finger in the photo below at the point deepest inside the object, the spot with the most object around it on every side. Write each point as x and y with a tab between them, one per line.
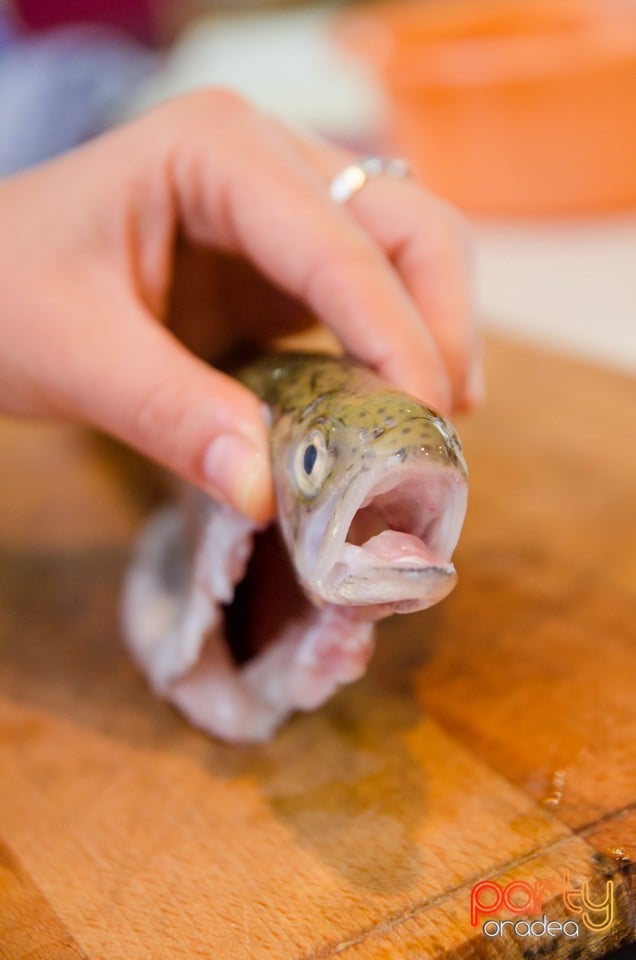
428	242
255	195
142	386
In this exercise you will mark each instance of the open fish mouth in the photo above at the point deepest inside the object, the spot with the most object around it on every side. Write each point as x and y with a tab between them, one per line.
395	539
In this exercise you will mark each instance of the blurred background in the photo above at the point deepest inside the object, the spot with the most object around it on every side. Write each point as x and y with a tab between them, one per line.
520	112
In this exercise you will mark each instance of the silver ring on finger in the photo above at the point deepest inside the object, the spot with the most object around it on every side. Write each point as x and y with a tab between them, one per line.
353	177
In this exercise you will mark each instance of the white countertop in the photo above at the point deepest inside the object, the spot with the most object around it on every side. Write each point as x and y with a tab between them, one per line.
568	285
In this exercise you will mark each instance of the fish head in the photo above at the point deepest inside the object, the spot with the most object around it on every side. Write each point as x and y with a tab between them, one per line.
372	495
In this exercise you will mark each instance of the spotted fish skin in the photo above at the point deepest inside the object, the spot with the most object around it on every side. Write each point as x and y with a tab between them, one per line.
309	386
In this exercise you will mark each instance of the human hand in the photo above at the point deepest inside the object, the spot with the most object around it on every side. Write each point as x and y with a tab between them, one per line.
87	264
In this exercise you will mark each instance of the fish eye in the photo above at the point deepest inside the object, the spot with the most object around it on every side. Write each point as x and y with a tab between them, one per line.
309	458
311	463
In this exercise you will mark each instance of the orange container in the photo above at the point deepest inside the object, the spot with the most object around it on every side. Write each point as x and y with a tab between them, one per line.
518	107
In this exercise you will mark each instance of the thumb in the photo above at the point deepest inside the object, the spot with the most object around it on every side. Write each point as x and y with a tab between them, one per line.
140	384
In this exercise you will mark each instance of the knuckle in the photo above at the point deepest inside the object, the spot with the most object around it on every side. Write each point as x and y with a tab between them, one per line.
339	267
219	100
452	230
195	110
446	251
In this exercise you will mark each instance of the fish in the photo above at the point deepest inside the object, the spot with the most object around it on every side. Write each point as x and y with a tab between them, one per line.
371	494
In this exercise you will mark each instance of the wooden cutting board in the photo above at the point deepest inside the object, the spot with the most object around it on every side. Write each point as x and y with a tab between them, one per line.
493	737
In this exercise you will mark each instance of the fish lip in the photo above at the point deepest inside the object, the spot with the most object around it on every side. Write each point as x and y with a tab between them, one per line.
333	582
397	591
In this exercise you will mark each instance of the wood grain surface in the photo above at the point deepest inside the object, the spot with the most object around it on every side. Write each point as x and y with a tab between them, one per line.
493	736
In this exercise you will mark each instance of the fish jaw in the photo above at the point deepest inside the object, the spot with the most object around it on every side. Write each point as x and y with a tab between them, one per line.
388	540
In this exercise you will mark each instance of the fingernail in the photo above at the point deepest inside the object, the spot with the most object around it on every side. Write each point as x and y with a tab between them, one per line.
239	472
475	385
